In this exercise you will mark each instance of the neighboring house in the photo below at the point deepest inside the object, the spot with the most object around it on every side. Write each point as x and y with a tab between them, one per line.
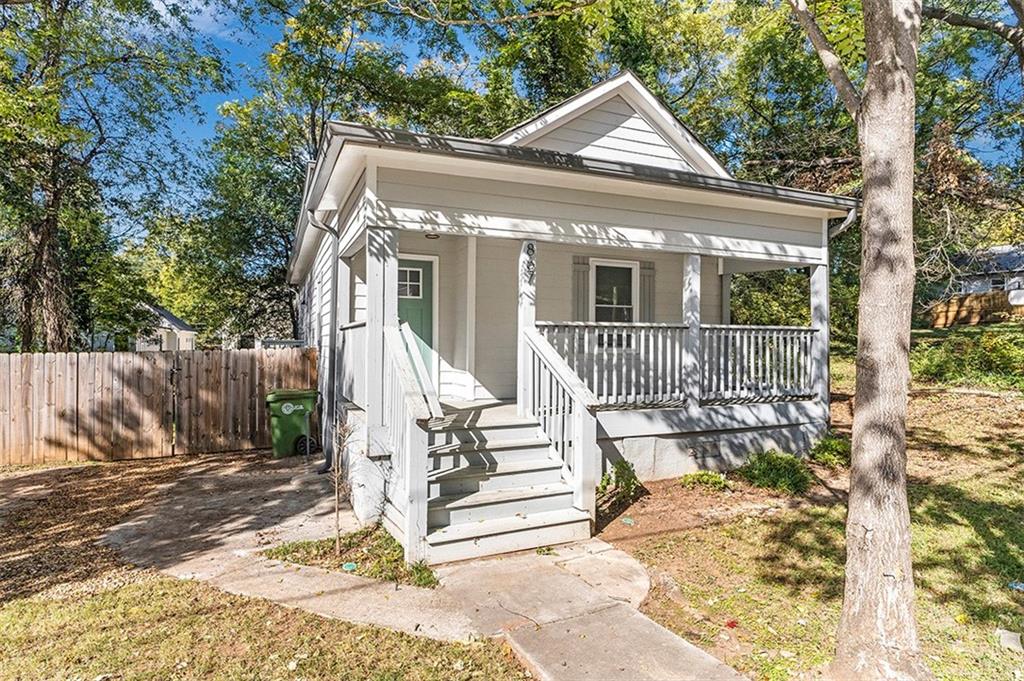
501	320
169	333
990	289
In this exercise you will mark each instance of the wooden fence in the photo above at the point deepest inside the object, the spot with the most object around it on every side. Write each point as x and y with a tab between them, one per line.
121	405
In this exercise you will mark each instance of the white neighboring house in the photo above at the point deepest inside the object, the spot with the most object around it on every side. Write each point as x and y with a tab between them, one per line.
501	320
170	333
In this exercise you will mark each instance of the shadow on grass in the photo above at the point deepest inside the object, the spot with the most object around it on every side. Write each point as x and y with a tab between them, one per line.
968	544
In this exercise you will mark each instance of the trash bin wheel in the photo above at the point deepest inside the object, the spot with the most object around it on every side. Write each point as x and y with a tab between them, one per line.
305	445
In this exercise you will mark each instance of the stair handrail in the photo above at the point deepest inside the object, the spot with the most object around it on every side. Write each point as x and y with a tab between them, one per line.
407	442
423	377
575	426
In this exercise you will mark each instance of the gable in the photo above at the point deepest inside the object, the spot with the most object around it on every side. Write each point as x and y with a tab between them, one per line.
614	131
617	120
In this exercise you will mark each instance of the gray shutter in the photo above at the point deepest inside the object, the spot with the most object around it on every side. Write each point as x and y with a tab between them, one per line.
580	288
646	311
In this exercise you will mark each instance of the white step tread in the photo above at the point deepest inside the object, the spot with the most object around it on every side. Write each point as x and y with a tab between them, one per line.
485	497
516	523
462	447
502	468
442	426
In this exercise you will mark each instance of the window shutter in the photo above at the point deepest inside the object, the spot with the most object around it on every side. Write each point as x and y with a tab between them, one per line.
646	311
580	288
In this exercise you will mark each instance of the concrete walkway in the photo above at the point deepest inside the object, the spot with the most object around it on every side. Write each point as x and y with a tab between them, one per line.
571	614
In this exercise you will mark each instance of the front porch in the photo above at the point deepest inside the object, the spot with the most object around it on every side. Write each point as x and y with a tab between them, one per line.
493	427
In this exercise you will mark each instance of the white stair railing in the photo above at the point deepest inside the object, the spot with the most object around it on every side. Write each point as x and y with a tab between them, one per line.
564	406
628	363
405	410
756	363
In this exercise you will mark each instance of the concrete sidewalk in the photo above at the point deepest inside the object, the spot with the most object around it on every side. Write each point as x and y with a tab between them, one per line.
570	614
574	615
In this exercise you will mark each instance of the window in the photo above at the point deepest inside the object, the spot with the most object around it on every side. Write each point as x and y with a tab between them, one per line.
998	283
410	282
615	289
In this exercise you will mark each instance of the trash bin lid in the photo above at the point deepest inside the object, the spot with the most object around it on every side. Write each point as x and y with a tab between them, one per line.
291	394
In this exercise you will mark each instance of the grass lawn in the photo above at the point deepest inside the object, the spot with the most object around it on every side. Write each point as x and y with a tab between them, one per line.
762	590
70	609
369	551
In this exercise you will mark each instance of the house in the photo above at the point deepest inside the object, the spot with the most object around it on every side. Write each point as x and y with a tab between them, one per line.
990	289
169	333
500	320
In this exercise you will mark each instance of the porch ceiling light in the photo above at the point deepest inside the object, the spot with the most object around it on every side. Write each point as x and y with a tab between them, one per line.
432	235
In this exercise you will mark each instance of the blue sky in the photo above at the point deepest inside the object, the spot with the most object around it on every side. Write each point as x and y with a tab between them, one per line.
242	50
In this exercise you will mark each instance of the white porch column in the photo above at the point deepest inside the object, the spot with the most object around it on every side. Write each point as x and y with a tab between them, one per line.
820	344
691	317
726	298
381	311
527	317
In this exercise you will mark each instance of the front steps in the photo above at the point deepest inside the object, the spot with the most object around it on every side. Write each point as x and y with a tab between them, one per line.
494	487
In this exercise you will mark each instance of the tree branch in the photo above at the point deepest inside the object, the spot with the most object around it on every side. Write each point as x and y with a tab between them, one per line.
1011	34
829	59
435	16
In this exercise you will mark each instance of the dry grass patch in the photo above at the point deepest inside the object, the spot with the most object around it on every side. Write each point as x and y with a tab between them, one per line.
172	629
70	608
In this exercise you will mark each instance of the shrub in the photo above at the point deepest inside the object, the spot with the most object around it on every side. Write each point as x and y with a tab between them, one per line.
778	471
833	451
992	357
620	484
705	479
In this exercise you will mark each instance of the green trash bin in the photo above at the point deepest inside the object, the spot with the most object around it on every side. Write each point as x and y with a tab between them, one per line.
291	412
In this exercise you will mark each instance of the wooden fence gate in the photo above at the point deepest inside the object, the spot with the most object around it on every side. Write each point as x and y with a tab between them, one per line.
99	406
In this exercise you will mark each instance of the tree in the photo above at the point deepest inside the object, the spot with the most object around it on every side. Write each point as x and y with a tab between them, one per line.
877	635
85	90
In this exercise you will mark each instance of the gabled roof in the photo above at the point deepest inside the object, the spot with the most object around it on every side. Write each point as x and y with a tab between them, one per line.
168	320
639	98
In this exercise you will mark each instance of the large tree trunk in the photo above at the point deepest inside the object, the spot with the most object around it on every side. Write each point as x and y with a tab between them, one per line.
877	636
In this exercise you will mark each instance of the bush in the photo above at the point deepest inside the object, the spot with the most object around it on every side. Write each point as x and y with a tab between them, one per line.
620	484
990	357
833	451
706	479
778	471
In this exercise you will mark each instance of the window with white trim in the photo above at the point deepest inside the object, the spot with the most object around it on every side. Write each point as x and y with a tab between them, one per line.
410	282
615	290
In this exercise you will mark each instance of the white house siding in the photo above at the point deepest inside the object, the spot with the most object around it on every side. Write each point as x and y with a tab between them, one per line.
495	367
441	202
613	131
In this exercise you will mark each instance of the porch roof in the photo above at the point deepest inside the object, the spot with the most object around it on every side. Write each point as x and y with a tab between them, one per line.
352	133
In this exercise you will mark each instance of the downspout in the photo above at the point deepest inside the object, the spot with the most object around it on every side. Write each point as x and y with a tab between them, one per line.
318	224
851	218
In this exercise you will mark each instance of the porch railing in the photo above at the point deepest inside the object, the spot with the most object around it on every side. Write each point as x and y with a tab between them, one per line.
563	405
638	363
405	409
756	363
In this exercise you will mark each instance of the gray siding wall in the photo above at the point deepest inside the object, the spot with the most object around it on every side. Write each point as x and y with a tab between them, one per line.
613	130
497	289
437	202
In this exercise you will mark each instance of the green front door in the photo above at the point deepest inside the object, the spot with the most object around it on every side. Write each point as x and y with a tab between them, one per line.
416	306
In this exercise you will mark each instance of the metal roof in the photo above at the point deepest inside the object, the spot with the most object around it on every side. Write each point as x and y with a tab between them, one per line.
543	158
1007	258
